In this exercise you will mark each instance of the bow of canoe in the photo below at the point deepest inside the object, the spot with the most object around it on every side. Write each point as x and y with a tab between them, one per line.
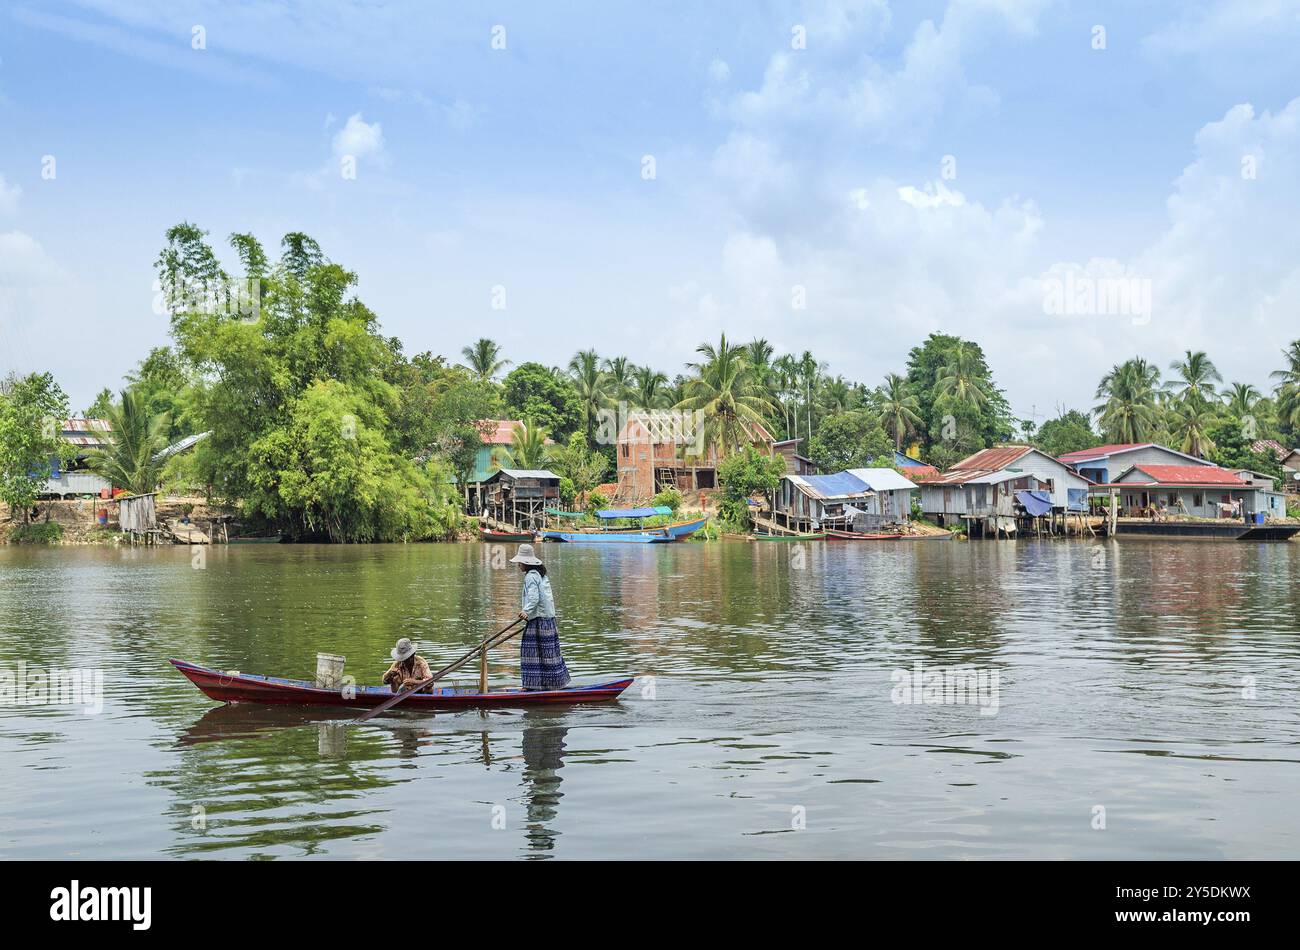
228	687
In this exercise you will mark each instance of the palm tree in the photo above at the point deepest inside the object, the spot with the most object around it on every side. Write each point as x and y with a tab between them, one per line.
1190	420
649	385
131	459
1288	387
837	396
962	378
483	359
723	391
620	373
1130	412
1240	398
528	448
593	388
900	411
809	373
787	375
1196	376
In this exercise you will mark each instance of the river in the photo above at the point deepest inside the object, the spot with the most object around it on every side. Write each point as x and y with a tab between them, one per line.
1136	699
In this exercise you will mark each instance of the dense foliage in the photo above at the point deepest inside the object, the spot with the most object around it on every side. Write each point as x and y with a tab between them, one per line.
31	410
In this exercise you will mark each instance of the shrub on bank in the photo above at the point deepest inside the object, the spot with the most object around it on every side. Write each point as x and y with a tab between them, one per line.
40	533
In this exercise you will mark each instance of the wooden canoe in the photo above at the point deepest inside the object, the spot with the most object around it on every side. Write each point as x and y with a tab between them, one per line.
834	535
275	691
790	537
506	537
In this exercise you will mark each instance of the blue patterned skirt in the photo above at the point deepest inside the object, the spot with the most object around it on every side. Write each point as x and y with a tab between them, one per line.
540	661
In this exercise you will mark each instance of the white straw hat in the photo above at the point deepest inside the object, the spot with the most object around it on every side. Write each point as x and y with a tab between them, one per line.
404	650
525	555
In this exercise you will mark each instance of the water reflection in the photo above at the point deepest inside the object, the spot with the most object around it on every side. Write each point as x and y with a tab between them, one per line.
543	753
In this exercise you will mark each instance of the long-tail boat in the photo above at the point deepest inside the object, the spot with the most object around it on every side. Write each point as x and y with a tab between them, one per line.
790	537
657	534
230	687
833	534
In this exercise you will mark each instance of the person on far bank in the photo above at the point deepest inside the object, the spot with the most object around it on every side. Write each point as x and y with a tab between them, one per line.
540	661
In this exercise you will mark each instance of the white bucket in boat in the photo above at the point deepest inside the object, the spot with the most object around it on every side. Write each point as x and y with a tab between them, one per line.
329	670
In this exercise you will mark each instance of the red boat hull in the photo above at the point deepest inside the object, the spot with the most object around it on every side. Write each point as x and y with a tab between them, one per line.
274	691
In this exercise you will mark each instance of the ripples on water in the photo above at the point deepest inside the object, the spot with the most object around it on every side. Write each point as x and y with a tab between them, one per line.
1156	680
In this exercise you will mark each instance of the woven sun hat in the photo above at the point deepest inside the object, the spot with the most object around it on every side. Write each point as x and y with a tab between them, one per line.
404	650
525	555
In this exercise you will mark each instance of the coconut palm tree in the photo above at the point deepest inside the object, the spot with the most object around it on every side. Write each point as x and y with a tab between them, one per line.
837	396
1190	420
483	359
962	378
723	391
1240	398
786	386
593	388
900	411
528	448
1131	410
649	386
620	373
1288	387
809	374
131	460
1196	376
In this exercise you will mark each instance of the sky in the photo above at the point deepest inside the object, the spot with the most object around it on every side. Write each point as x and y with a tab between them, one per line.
1068	184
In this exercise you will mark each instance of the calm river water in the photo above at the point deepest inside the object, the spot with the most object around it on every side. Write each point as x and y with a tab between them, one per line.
1147	704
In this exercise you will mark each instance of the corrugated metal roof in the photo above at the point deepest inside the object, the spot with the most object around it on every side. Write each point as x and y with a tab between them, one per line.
1101	451
824	487
881	479
529	473
1189	475
990	460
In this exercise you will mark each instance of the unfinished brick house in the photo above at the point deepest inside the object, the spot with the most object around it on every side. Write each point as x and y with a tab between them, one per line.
658	450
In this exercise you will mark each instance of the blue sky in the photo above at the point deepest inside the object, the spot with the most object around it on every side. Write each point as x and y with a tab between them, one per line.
820	168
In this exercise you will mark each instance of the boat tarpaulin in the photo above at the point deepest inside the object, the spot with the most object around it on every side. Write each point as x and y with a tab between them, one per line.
557	513
635	512
1036	502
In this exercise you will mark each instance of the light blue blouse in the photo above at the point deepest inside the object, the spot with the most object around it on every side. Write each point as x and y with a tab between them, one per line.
538	600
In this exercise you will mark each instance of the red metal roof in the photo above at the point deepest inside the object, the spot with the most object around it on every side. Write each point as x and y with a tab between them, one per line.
1191	475
1099	450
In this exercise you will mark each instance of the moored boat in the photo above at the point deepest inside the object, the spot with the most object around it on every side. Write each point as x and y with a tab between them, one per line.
658	534
790	537
228	687
505	537
835	535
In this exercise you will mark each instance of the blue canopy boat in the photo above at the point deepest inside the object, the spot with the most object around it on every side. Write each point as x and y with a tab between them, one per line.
640	535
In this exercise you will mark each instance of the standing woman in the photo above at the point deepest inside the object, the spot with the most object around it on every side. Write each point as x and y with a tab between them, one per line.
540	660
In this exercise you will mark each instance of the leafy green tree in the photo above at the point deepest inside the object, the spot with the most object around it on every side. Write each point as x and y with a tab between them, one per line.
579	464
32	408
1071	431
621	375
1288	390
298	399
1232	448
534	392
852	440
724	392
100	407
1189	420
1241	398
742	475
130	460
166	385
961	408
483	359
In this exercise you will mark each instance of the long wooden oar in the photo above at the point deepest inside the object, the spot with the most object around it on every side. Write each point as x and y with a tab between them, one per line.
449	668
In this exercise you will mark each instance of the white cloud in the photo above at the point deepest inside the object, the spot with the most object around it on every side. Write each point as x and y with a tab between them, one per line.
872	96
934	195
359	139
1216	27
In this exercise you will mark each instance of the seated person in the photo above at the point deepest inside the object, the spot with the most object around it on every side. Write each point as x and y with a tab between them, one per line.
408	669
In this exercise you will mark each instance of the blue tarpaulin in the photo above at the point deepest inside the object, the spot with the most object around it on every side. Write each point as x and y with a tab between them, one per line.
835	486
1035	502
634	512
